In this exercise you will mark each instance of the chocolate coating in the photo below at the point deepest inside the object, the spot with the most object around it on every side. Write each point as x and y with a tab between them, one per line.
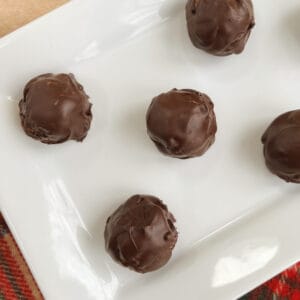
282	146
182	123
55	109
140	234
220	27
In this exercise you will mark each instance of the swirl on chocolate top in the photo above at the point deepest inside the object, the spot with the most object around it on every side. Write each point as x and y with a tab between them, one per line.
140	234
55	109
220	27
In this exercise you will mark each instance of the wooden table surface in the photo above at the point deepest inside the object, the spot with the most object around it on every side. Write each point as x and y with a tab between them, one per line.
16	281
16	13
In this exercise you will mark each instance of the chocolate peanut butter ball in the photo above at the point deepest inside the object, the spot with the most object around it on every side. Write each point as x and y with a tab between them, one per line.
282	146
182	123
220	27
140	234
55	109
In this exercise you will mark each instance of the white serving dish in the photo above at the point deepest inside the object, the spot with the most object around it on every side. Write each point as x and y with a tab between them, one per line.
237	222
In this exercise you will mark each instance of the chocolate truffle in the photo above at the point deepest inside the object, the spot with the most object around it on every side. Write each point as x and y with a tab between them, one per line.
140	234
55	109
282	146
182	123
220	27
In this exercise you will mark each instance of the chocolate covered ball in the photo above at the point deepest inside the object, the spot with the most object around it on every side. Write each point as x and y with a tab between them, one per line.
55	109
282	146
220	27
140	234
182	123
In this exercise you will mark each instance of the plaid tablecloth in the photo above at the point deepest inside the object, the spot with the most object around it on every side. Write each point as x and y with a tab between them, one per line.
285	286
17	283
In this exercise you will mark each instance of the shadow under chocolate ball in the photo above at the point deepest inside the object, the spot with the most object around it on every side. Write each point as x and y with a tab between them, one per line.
220	27
282	146
182	123
55	109
141	234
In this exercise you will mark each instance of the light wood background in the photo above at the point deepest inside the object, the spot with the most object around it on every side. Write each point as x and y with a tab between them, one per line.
16	13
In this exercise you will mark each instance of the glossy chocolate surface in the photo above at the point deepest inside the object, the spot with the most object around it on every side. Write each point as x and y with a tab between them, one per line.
220	27
182	123
282	146
55	109
141	234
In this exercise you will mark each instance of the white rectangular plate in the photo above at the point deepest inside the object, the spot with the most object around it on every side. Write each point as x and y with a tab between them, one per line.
237	222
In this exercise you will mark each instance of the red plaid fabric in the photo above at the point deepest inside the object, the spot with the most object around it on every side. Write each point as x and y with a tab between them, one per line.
285	286
16	281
